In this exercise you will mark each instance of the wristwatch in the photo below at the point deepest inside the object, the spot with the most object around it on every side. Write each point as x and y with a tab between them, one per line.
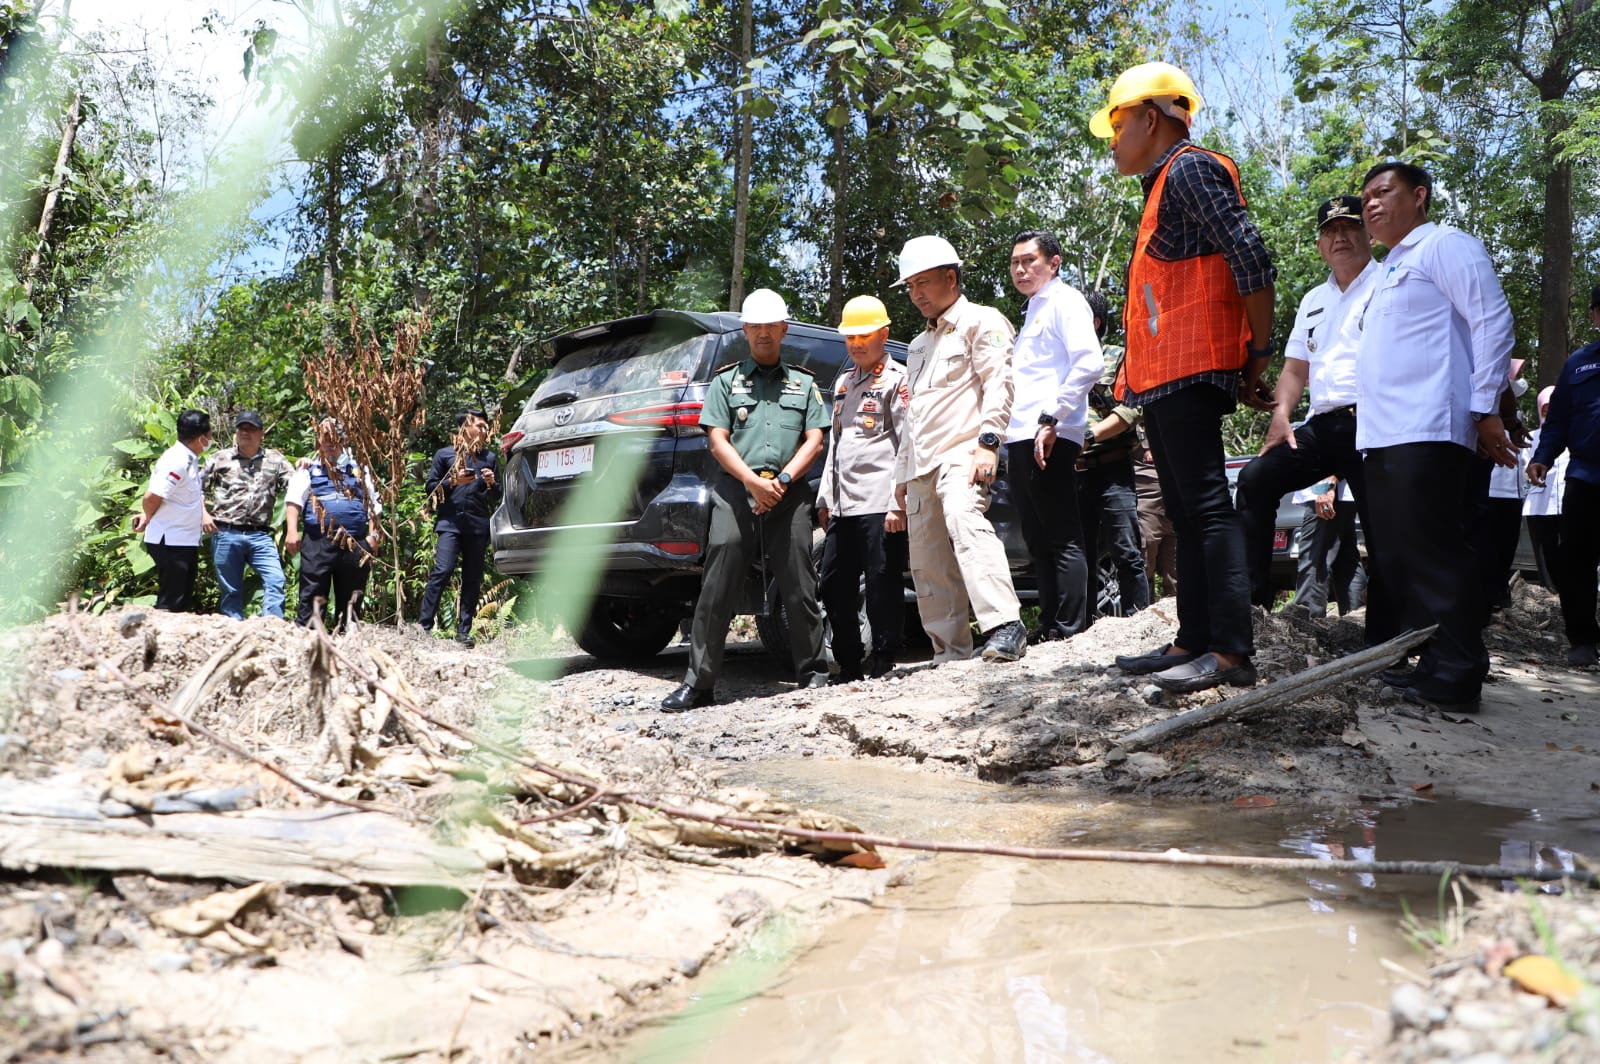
1047	419
1257	353
989	440
1477	416
784	478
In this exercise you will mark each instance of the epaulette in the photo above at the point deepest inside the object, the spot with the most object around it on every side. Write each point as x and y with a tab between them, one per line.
720	370
802	369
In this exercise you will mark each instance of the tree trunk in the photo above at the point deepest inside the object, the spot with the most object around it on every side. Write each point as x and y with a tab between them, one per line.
430	134
52	198
840	188
642	280
744	127
332	218
1555	281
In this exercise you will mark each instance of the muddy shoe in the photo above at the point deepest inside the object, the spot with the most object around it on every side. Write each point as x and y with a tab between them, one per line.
1155	661
1006	643
1204	672
880	665
1582	654
1443	705
687	696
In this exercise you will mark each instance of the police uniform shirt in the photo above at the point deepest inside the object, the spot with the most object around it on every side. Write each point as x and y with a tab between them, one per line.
176	479
244	490
298	493
959	370
767	411
1435	342
1055	360
869	410
1326	334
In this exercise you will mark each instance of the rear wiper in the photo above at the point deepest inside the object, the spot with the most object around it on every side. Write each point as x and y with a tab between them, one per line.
556	399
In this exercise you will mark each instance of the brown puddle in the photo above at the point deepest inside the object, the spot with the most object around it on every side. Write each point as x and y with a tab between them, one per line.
994	959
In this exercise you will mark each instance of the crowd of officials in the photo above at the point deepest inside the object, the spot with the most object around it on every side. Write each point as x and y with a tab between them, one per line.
1412	424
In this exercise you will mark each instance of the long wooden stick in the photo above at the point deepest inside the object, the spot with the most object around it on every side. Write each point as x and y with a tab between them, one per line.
1278	695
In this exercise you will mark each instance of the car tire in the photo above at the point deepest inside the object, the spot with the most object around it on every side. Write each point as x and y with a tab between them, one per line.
622	629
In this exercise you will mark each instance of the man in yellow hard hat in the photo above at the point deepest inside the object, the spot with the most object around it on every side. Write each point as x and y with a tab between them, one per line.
1199	333
866	528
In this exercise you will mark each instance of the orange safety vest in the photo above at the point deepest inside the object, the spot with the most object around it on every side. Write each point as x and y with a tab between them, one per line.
1183	317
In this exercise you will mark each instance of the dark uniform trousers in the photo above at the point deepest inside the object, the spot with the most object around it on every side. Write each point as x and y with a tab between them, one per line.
1325	446
1417	533
175	572
1047	511
1329	563
1185	430
1580	555
857	547
1108	499
736	540
1496	525
469	550
324	567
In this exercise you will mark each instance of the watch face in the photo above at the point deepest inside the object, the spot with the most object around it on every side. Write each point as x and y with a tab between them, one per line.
989	439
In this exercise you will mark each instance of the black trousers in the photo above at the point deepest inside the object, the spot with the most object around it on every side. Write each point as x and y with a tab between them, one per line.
1580	556
175	572
1418	535
1185	431
1495	542
453	547
1325	446
1544	533
1107	498
1047	512
325	567
858	548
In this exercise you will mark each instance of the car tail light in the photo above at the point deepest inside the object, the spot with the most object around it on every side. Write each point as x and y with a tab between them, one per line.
677	418
510	440
676	548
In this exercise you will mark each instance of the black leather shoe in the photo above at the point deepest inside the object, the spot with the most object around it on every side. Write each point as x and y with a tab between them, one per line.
879	665
688	696
1203	672
1400	677
847	675
1416	698
1155	661
466	641
1042	634
1006	643
1582	655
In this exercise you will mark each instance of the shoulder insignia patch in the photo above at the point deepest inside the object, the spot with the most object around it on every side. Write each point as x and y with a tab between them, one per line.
802	369
723	369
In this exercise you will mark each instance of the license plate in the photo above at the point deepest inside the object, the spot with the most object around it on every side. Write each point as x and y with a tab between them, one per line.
1280	536
566	461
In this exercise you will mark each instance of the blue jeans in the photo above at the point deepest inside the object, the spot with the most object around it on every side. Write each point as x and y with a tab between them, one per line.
230	553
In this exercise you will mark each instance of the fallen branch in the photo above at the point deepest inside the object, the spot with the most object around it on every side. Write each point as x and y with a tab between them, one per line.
1381	655
1278	695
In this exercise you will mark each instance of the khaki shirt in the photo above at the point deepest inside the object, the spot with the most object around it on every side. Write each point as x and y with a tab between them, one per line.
960	375
244	491
766	410
869	411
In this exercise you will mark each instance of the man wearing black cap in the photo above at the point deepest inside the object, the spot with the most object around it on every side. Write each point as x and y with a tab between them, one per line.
243	483
1321	354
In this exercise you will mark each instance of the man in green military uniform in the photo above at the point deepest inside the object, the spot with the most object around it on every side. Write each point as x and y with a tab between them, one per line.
765	422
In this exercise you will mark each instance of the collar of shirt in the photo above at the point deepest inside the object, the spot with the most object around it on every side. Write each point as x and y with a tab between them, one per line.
858	374
1037	301
751	368
952	314
1148	178
1355	282
1411	240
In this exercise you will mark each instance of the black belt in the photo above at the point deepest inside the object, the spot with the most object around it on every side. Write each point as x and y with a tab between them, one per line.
1099	458
1340	411
224	526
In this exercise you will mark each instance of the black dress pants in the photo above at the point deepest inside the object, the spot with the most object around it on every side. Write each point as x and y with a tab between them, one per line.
1580	556
1185	431
175	572
1419	537
326	567
1047	512
858	548
453	547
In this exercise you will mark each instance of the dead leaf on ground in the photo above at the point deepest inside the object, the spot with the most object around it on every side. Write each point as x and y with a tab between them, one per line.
862	860
214	912
1544	976
1254	801
1420	787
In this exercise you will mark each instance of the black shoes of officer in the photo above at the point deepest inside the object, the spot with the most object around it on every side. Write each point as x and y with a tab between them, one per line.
879	665
1400	676
1008	642
1203	672
466	640
1582	654
1416	698
847	674
1156	660
688	696
1042	634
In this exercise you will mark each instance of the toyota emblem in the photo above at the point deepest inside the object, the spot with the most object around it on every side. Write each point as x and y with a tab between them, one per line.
563	415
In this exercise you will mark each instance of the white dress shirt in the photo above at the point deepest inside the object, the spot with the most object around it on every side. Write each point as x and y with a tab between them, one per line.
1055	360
1545	500
1326	333
176	478
1435	345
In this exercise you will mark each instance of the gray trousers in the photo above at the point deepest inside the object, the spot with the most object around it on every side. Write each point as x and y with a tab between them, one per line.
734	546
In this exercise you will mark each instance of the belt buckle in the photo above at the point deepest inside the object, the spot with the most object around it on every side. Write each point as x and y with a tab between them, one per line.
767	474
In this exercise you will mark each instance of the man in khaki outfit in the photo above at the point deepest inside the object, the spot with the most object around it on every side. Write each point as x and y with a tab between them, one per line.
960	378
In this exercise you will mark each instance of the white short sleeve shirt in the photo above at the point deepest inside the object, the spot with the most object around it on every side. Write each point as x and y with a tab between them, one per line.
1326	334
176	479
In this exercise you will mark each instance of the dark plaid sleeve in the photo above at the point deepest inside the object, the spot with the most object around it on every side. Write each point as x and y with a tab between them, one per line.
1210	218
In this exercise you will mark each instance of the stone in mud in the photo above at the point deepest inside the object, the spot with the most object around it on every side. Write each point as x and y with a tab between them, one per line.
1409	1007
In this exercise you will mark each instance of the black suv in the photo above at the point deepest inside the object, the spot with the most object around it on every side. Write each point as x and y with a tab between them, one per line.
609	462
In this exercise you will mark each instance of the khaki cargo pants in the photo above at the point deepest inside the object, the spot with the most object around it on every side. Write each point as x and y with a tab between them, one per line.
956	560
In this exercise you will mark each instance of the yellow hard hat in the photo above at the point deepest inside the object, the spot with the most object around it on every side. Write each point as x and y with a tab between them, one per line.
1161	83
863	315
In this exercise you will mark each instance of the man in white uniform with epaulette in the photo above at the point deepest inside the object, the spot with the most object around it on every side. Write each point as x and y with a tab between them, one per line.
856	501
960	373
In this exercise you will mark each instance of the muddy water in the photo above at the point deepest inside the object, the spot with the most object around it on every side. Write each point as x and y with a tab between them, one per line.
990	959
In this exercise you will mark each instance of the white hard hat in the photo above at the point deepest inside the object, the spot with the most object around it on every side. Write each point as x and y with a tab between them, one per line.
762	307
926	253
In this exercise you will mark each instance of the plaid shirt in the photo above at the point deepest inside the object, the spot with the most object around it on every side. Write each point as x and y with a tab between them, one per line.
1200	214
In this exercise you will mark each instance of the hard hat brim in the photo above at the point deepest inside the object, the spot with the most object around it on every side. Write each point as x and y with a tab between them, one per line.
1100	122
860	330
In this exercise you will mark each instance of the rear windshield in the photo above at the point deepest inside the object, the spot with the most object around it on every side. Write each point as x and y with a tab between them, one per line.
614	365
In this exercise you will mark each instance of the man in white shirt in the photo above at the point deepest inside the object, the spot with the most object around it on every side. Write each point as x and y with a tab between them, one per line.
1433	359
1055	360
1320	356
173	514
959	370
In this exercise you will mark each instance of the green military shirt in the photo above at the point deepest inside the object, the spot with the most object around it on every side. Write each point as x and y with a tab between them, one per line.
1103	403
766	410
